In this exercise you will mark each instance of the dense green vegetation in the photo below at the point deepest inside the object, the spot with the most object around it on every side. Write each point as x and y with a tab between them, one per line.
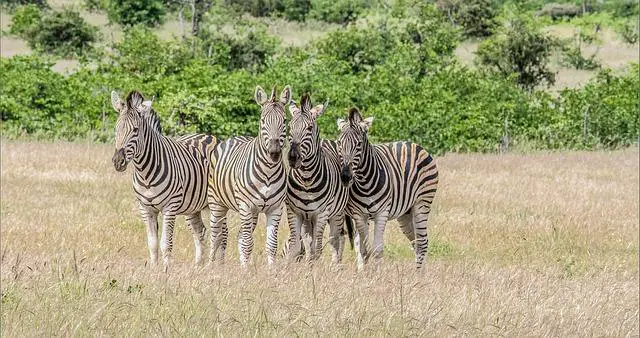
396	63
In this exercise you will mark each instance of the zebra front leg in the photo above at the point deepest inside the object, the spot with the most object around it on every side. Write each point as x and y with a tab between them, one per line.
195	224
380	222
361	239
273	222
150	218
420	217
167	239
219	231
294	247
245	236
306	236
318	234
336	238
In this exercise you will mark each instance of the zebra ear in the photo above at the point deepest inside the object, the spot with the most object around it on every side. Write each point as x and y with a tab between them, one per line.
319	109
354	116
366	123
260	96
116	102
341	124
146	105
285	96
293	108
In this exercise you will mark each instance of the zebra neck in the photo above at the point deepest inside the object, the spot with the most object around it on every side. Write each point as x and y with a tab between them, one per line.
263	160
369	165
151	158
311	167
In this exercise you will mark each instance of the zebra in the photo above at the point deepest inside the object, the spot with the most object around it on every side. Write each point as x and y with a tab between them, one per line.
387	181
169	176
247	175
314	193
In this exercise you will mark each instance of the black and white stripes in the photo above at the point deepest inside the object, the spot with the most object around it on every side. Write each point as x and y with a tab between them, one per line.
169	177
248	176
314	193
388	181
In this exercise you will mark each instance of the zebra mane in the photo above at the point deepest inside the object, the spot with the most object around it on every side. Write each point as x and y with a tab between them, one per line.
354	116
135	101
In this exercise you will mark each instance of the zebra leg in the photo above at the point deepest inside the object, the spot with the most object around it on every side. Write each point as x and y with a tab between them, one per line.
195	224
166	244
380	221
307	239
336	237
150	218
318	234
420	217
245	237
406	225
273	222
219	231
294	247
361	239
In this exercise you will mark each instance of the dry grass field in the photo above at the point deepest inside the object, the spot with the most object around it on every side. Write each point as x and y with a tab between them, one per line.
533	244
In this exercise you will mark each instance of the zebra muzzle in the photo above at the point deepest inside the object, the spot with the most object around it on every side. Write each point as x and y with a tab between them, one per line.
275	150
119	160
295	160
346	175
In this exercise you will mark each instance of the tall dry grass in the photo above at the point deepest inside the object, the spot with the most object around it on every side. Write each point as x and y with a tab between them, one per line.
539	244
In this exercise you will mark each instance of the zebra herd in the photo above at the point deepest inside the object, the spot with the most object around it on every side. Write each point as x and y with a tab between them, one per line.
342	183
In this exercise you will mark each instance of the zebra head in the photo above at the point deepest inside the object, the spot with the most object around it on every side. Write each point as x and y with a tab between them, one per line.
351	142
272	120
303	130
130	113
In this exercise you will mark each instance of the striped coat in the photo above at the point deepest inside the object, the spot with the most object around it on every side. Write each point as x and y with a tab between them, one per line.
169	177
387	181
248	176
315	196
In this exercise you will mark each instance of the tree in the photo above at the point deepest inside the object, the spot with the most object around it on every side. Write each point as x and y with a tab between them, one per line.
520	49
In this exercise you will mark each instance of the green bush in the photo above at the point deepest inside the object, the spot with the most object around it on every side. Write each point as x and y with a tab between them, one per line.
572	56
25	20
96	5
251	47
629	31
133	12
340	12
477	17
42	4
519	49
257	8
63	33
296	10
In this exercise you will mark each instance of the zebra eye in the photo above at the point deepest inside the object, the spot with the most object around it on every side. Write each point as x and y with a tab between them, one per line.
135	130
310	128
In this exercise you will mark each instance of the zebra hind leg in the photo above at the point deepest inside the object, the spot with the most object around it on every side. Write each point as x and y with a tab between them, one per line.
406	225
197	228
420	217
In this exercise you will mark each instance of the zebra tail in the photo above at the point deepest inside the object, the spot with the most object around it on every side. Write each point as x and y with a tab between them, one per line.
349	223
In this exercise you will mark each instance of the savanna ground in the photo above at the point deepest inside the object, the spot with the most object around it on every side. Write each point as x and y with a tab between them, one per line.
533	244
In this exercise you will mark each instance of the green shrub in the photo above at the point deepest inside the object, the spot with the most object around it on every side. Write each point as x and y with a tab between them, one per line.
257	8
133	12
63	33
477	17
296	10
572	55
25	20
250	47
42	4
629	32
520	49
340	12
96	5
